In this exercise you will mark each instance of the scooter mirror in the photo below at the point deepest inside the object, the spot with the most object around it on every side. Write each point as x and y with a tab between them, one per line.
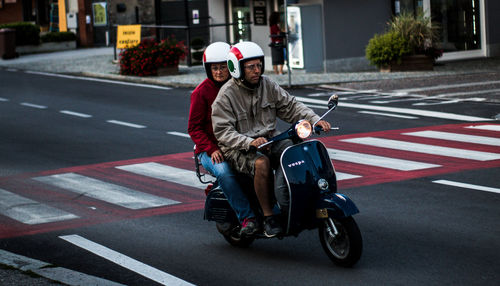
333	101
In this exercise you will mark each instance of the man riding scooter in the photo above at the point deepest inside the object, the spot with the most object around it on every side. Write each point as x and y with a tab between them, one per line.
244	116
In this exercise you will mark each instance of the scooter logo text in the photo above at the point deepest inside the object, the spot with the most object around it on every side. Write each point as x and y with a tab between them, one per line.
298	163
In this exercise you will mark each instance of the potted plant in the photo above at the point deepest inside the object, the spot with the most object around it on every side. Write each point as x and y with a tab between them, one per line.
409	44
168	54
151	58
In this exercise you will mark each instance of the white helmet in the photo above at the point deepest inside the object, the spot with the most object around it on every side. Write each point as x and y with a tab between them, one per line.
215	53
241	52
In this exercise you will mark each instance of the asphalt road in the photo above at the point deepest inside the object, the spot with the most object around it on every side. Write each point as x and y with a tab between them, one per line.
415	231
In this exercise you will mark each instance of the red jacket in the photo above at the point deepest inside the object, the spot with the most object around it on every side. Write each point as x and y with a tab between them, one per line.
200	117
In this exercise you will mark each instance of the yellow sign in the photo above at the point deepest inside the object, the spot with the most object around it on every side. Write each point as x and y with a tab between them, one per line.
128	36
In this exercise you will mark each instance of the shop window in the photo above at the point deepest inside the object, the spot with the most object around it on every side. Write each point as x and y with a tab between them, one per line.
459	24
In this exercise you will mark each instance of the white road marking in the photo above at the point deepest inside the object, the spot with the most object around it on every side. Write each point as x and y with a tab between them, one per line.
378	161
438	87
33	105
128	124
73	113
105	191
345	176
418	112
486	91
179	134
29	211
456	137
12	70
166	173
3	99
477	99
100	80
125	261
467	186
425	148
489	127
387	114
44	269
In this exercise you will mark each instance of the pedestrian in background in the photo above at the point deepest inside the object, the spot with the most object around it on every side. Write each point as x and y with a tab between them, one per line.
277	43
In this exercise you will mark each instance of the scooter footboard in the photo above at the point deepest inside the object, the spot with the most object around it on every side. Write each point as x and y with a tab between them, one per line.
340	205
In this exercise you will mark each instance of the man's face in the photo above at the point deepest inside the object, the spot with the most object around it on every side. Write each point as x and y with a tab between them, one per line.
253	71
220	72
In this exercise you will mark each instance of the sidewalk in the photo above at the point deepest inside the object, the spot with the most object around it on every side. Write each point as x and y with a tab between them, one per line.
98	62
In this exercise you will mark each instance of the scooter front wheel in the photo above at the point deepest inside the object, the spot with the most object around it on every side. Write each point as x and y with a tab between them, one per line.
341	240
232	235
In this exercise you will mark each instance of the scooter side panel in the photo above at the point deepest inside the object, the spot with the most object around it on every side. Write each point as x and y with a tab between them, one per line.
303	165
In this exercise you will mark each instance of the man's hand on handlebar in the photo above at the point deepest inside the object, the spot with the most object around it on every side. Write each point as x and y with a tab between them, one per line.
324	125
259	141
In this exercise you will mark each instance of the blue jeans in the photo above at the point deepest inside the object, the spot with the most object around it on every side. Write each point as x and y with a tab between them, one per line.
230	186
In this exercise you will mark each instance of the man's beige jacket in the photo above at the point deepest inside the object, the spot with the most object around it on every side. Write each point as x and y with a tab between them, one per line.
241	114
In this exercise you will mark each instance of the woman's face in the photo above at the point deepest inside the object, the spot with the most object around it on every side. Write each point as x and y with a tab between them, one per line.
220	72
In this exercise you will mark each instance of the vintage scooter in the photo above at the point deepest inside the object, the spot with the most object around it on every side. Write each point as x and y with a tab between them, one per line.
313	198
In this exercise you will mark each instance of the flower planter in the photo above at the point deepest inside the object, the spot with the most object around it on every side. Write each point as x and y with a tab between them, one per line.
169	70
411	63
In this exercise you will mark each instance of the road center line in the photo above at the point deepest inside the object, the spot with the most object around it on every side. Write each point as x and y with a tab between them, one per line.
78	114
100	80
418	112
128	124
3	99
125	261
179	134
387	114
33	105
467	186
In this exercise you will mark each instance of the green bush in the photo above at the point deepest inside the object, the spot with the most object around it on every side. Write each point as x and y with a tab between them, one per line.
407	35
417	30
58	37
26	33
387	48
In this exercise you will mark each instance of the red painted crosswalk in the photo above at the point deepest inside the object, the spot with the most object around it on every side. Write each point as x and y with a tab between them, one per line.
85	195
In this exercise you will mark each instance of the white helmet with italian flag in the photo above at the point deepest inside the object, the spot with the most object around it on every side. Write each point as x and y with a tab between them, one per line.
240	53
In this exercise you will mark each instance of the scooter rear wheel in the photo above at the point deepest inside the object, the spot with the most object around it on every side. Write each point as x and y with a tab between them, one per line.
232	235
345	248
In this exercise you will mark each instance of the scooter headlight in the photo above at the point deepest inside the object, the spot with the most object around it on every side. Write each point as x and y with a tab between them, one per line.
303	129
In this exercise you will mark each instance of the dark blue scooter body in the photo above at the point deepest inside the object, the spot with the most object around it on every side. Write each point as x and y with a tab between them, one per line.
304	165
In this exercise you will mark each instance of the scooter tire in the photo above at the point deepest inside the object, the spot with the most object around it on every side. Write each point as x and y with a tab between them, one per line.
346	247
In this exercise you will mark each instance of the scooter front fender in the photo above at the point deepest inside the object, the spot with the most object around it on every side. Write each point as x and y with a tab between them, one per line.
340	205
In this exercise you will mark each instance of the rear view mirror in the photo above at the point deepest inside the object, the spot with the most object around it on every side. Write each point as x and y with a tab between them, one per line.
333	101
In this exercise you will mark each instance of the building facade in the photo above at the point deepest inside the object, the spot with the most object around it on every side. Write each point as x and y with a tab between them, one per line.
325	35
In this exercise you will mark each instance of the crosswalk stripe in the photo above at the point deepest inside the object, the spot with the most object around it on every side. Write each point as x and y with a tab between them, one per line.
456	137
165	172
489	127
345	176
378	161
467	186
105	191
28	211
425	148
